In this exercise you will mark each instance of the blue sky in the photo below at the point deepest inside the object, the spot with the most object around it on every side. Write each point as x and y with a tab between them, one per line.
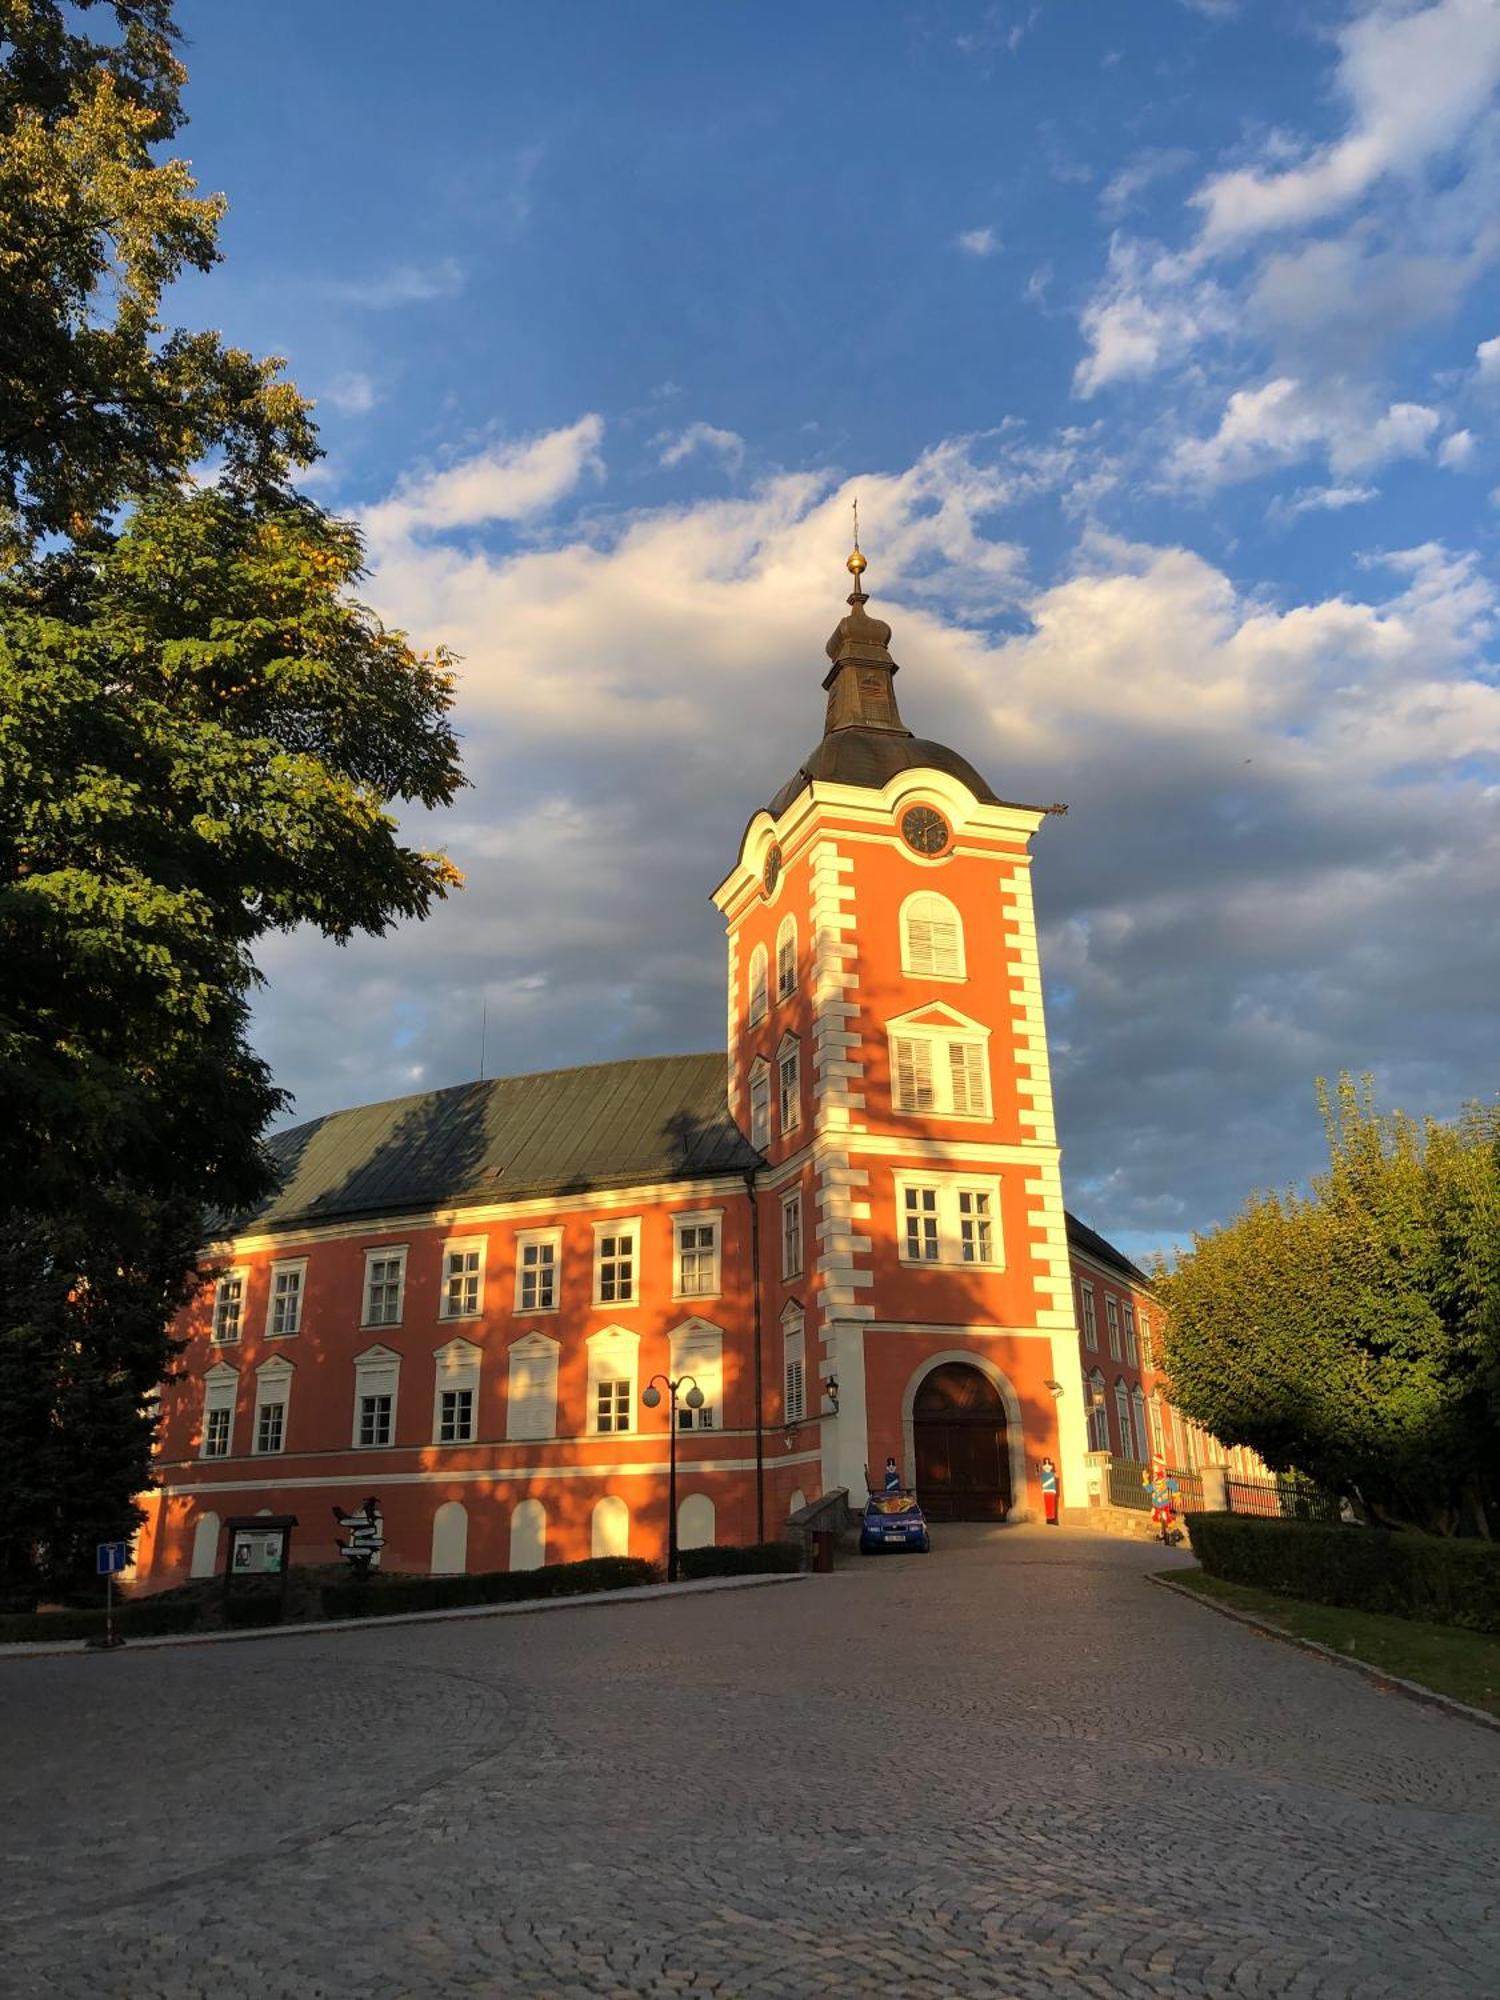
1161	344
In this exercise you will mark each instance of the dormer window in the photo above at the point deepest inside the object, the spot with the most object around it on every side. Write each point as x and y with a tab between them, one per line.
932	938
758	974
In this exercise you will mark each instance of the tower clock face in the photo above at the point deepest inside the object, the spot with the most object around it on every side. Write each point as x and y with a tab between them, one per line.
924	831
772	874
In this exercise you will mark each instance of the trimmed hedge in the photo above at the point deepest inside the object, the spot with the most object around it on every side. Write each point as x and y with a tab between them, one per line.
1400	1573
759	1559
146	1620
382	1595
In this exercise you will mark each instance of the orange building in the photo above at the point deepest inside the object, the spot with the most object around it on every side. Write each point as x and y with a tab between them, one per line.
852	1239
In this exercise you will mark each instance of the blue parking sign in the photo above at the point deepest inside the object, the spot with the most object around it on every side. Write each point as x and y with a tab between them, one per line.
112	1557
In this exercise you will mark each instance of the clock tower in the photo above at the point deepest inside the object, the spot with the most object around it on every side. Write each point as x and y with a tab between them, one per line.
887	1056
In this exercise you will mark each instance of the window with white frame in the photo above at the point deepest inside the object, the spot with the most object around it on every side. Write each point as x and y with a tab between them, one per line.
284	1307
220	1387
1098	1413
760	1105
697	1256
940	1067
1138	1411
698	1350
789	1085
455	1405
794	1365
616	1262
949	1219
611	1381
538	1260
1089	1314
229	1307
531	1397
273	1392
758	1002
786	957
385	1285
1131	1353
1112	1321
1122	1412
377	1382
1158	1428
932	938
791	1233
463	1279
1148	1352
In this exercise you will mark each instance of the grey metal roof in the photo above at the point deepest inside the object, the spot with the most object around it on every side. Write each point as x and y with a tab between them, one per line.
870	757
1092	1244
566	1131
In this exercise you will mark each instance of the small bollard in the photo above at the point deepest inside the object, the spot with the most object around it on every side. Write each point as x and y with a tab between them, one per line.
822	1561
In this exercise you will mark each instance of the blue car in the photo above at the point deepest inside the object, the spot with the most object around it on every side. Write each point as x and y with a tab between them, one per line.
893	1521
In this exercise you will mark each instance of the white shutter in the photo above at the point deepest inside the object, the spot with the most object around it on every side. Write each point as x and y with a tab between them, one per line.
794	1348
966	1070
531	1410
913	1060
934	938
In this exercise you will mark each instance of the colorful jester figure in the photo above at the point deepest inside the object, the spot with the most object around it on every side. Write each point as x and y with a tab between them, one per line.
1162	1490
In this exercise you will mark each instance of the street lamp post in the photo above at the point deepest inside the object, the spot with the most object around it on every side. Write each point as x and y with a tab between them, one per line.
694	1399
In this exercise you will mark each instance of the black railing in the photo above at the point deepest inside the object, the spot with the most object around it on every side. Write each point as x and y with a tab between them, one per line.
1127	1484
1282	1499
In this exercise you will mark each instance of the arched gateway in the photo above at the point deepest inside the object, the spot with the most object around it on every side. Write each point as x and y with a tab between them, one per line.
959	1431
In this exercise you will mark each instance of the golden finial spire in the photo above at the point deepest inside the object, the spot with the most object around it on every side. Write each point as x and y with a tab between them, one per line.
856	564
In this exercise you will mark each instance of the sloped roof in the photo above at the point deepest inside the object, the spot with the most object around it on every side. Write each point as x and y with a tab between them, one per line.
870	758
1092	1244
565	1131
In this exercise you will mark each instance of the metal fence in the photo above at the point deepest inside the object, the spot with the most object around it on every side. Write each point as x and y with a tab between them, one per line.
1282	1499
1126	1487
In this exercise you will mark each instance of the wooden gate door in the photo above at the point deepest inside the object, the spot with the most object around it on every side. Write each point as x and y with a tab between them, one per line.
962	1450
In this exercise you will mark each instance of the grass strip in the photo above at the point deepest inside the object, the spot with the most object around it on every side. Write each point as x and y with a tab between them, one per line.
1462	1665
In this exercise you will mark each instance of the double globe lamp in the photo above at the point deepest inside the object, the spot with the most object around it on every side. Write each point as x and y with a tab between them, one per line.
651	1397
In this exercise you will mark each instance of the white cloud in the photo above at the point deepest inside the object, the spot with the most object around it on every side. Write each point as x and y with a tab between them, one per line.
1151	309
1282	421
506	483
726	445
403	285
978	242
1284	815
1415	79
1487	360
1134	178
1324	500
1456	450
354	394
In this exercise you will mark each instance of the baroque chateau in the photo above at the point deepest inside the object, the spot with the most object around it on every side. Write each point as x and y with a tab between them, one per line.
853	1241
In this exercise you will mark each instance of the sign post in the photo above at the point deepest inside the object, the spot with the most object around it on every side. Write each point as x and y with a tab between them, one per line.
110	1558
258	1545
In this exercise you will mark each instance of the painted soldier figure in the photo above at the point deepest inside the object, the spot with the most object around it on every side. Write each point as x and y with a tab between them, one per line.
1049	1492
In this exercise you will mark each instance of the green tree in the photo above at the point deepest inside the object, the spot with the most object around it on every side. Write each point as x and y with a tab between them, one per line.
202	732
1353	1333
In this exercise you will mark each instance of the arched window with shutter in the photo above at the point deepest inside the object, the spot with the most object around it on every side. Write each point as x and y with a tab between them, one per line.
932	938
786	957
758	976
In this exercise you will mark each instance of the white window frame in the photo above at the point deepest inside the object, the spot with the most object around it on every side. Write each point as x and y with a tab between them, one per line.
551	1239
1122	1414
625	1225
1132	1352
614	1356
1138	1417
921	957
286	1267
377	1372
697	1349
273	1385
793	1364
456	1367
697	1219
949	1215
1148	1351
1112	1327
531	1370
1089	1314
760	1104
789	1101
757	984
466	1247
385	1253
1097	1414
927	1043
221	1389
786	958
239	1277
793	1239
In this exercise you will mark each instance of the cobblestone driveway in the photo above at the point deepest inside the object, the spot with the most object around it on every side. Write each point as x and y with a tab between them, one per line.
1010	1768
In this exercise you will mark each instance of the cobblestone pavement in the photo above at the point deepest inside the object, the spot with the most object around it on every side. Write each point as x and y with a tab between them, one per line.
1009	1768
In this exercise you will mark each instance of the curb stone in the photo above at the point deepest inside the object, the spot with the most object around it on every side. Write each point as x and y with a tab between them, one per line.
650	1593
1413	1690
